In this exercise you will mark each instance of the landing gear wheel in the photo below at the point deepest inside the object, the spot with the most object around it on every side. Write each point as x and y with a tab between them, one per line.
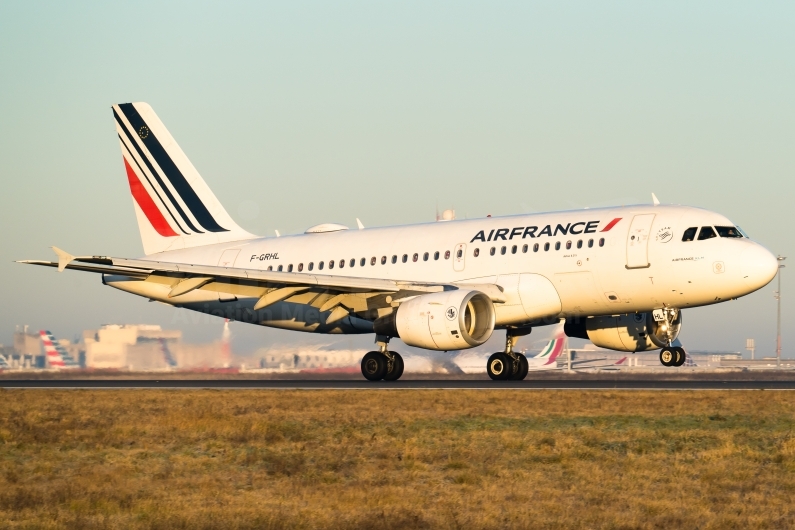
667	356
521	369
500	366
680	356
397	368
374	366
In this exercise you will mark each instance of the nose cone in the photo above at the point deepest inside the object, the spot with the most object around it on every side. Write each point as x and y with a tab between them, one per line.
758	266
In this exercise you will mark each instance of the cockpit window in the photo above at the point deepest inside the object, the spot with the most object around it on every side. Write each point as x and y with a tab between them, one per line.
728	231
706	233
690	234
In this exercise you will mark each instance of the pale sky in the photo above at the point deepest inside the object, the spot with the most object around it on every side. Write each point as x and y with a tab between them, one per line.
301	113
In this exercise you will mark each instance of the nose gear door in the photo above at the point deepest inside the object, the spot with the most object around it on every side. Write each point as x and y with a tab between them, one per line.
638	241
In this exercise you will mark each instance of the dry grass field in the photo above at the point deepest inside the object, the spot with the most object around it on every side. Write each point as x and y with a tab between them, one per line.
396	459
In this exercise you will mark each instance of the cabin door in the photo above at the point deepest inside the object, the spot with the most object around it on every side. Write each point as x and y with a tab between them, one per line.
638	241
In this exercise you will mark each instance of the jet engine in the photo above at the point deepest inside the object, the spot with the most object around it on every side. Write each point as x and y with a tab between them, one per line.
630	333
448	320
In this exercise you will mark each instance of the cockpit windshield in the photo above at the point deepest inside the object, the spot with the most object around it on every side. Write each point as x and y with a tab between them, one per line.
706	232
728	231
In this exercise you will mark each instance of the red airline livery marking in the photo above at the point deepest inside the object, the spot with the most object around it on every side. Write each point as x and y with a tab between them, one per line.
146	203
611	224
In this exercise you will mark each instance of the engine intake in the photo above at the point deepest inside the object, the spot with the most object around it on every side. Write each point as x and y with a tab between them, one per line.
448	320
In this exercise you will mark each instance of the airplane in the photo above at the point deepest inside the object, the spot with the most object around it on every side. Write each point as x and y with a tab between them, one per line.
619	276
4	363
57	356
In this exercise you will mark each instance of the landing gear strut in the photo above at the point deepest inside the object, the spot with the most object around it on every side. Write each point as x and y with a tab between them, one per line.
508	365
382	364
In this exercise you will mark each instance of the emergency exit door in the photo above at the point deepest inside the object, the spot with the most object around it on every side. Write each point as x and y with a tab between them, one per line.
638	241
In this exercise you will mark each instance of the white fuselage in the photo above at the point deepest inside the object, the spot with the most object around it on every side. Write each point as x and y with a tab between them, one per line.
642	264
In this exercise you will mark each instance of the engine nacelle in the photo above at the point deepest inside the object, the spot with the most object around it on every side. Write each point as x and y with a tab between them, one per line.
630	333
448	320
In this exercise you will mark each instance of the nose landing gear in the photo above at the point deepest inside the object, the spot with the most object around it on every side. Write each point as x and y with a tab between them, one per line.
672	356
668	321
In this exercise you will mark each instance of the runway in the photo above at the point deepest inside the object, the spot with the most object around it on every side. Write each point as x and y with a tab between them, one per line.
422	384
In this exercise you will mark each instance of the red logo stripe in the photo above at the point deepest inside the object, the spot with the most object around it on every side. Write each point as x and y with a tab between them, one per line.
146	203
611	224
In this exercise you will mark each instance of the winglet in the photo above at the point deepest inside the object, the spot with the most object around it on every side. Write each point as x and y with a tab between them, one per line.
359	224
655	200
64	258
277	233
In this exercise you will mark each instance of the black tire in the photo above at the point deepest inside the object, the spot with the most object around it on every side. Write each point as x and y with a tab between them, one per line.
681	356
397	368
522	369
667	356
500	367
374	366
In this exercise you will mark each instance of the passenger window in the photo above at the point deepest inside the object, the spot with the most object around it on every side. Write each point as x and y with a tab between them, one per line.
372	261
436	255
535	247
492	251
394	259
557	245
290	267
524	249
353	262
546	247
342	263
446	254
311	265
579	243
270	267
331	264
476	252
706	233
300	267
502	250
405	258
425	257
568	245
383	260
459	253
601	242
415	257
513	249
279	269
363	262
590	243
728	231
690	234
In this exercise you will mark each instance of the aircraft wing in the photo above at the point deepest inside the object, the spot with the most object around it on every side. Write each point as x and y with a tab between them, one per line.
269	286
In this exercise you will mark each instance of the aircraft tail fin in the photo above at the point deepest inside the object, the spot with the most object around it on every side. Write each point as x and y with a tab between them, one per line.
554	347
174	206
57	356
167	355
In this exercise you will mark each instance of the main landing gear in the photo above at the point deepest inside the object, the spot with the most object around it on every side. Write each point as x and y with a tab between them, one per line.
382	364
508	365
